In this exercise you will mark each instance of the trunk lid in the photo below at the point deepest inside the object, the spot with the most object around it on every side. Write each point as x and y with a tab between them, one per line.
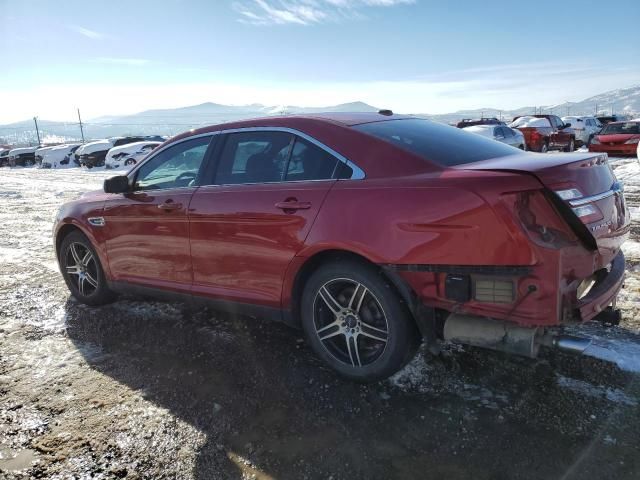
583	188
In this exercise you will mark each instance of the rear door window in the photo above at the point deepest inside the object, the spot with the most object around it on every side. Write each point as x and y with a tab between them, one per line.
435	142
310	162
254	157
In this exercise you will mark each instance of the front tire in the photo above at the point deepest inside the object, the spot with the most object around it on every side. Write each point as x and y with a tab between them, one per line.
82	271
545	147
356	322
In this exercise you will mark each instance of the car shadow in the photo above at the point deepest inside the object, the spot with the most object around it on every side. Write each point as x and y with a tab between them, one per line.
269	409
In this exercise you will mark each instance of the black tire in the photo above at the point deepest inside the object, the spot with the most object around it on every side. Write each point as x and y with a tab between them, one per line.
378	323
545	147
521	147
85	280
572	145
130	161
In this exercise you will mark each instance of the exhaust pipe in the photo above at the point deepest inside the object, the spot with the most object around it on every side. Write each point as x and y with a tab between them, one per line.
566	343
507	336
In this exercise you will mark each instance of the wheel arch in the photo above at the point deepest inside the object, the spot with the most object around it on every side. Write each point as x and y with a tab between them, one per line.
420	314
69	227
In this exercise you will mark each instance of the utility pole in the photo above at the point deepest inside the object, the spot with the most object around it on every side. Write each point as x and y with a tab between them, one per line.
35	120
81	130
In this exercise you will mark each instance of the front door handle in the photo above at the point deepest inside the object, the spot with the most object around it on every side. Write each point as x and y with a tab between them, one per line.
293	205
170	206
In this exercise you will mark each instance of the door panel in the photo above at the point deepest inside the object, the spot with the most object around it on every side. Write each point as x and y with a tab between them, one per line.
147	230
242	240
148	238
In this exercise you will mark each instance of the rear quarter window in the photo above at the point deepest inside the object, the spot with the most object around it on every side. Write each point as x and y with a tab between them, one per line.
444	145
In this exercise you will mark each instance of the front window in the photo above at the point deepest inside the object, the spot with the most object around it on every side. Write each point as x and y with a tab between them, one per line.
175	167
629	128
435	142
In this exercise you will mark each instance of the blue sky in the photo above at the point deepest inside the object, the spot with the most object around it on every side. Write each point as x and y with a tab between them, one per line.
419	56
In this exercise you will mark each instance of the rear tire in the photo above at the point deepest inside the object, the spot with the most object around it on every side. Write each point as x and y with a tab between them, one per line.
82	271
572	145
130	161
356	322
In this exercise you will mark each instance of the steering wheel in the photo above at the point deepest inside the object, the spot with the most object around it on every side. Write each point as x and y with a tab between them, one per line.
189	176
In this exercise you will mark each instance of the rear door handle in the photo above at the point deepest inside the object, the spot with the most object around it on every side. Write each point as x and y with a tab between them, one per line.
169	206
293	205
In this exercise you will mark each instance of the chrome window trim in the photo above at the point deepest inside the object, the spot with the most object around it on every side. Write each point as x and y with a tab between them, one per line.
594	198
358	173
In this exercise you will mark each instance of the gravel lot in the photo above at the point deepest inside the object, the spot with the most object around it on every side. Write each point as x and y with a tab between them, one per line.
142	389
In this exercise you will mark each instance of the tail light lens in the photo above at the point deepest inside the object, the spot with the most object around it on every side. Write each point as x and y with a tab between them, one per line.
539	219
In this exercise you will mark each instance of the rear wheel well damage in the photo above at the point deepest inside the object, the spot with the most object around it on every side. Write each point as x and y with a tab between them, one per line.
423	316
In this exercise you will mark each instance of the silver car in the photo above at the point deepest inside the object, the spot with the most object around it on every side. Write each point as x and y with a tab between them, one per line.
500	133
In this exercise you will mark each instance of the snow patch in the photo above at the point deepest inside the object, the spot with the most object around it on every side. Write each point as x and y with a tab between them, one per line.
614	395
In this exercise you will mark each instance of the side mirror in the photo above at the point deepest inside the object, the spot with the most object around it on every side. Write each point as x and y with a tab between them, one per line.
118	184
566	125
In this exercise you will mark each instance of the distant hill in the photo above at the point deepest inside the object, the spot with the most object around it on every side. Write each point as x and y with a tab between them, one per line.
624	100
168	121
171	121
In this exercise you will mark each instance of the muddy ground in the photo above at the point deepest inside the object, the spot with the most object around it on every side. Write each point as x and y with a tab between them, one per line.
142	389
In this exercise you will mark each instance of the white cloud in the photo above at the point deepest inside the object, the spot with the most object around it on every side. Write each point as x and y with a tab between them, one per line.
86	32
305	12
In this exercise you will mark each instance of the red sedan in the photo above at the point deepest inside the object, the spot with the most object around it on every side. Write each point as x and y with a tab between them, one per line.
369	231
617	138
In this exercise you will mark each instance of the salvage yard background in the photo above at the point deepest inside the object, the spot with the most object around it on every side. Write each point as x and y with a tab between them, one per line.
144	389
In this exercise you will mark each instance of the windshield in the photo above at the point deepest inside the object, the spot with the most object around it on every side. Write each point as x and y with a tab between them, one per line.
632	128
442	144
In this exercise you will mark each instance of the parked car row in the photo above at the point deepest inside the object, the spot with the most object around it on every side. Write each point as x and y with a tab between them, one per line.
119	151
550	132
94	154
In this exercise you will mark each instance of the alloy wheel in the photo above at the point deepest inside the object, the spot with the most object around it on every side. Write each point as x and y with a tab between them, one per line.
350	322
81	266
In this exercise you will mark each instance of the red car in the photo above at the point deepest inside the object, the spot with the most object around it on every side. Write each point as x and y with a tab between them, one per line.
617	138
545	132
370	231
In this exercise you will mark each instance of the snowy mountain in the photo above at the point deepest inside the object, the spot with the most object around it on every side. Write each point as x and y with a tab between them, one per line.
624	100
174	120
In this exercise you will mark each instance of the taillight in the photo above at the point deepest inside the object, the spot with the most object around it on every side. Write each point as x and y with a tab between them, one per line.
587	212
542	224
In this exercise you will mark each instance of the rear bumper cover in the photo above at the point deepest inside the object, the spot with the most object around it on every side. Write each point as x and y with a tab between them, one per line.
617	149
603	291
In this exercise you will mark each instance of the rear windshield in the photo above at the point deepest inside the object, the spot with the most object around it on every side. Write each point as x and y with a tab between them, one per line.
442	144
629	127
